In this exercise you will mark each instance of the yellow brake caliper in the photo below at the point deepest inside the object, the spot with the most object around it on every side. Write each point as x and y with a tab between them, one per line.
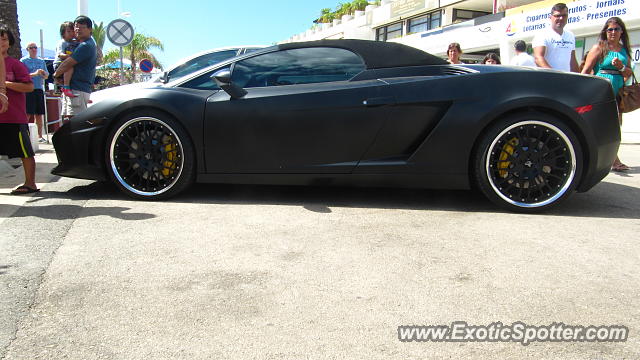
170	150
508	149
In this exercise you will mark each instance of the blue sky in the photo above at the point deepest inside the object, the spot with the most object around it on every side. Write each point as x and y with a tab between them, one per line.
184	26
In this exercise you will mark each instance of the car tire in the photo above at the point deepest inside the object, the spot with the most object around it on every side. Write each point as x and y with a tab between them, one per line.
150	156
528	162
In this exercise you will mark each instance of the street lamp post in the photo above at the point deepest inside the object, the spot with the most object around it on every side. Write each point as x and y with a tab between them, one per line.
83	7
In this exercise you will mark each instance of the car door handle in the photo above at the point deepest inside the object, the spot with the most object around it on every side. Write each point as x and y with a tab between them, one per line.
379	101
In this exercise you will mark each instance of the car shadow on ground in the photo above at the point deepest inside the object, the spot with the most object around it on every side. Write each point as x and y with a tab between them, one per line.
605	200
322	199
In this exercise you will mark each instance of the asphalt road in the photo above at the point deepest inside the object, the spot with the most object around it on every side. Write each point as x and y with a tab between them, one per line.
266	272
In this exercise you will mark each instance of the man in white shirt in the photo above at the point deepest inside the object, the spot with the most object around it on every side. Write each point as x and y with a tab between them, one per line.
555	48
522	58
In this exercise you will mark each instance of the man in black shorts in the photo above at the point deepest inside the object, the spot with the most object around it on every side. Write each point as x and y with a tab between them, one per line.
14	124
35	99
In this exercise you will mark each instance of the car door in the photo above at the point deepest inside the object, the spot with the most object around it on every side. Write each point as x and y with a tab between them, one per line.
300	114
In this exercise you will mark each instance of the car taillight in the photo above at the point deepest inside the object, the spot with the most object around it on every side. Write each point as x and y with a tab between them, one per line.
584	109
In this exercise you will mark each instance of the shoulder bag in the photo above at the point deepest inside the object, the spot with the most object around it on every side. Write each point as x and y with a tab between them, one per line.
630	96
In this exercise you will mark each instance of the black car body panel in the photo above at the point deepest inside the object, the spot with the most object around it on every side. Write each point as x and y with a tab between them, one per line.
408	119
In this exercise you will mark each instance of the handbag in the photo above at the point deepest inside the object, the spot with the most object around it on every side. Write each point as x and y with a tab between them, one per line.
630	96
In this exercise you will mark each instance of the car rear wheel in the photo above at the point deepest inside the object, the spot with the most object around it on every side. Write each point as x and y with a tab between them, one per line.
150	156
528	162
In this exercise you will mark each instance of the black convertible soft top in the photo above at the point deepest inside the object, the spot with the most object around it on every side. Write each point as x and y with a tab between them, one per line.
376	54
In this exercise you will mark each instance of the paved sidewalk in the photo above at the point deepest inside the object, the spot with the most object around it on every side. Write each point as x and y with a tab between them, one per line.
11	177
631	128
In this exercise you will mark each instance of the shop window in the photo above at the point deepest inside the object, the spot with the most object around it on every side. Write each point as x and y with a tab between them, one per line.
436	19
424	23
389	32
460	15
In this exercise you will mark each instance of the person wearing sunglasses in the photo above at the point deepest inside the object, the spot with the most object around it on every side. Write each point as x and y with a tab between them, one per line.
35	99
610	58
555	47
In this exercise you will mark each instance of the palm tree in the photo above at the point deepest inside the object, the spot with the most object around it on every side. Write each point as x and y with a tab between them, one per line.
326	16
9	17
348	8
343	9
99	35
137	50
359	5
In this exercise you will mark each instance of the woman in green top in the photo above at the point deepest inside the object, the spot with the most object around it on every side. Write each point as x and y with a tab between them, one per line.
609	58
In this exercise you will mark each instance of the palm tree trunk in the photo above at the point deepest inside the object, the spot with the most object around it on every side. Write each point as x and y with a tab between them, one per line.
9	17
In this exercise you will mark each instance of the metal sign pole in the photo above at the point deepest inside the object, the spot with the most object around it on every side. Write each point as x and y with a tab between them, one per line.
121	67
41	44
45	123
120	33
45	120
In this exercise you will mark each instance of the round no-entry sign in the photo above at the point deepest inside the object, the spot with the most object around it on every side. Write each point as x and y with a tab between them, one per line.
146	65
120	32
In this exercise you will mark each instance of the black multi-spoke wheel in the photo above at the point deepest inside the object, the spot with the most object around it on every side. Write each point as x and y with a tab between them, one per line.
528	162
149	156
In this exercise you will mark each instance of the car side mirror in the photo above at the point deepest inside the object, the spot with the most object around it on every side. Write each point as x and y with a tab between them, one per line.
222	78
165	77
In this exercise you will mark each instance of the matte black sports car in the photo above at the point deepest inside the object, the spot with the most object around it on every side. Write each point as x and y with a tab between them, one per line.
352	112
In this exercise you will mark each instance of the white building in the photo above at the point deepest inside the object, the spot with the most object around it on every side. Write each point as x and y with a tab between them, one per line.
478	25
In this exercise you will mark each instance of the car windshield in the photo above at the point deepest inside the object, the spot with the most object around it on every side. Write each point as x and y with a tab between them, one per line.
197	63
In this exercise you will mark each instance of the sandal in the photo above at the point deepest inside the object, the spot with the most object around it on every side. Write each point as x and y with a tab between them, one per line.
620	167
21	190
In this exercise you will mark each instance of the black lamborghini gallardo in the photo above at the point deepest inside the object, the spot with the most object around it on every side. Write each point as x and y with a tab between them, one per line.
352	112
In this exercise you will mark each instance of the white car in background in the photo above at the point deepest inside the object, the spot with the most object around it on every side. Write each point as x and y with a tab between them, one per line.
183	67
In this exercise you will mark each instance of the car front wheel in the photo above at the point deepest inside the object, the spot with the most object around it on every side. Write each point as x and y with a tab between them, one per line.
150	156
528	162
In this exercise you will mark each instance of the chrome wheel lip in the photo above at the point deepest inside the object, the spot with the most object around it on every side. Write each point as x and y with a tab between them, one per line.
567	181
114	168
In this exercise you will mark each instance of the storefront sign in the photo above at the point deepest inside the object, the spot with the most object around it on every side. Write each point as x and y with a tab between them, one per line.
581	13
504	5
401	7
635	54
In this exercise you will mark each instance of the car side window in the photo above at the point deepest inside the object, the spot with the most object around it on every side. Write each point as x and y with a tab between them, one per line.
297	66
201	62
202	82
